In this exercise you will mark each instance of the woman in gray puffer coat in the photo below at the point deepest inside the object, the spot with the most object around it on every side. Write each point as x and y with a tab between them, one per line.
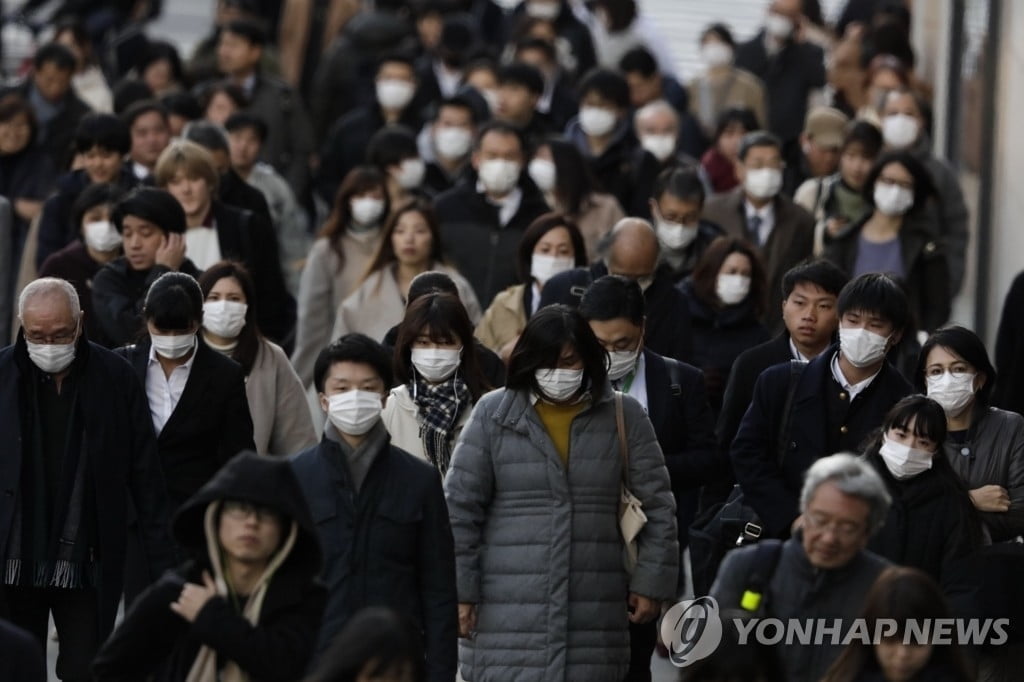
533	491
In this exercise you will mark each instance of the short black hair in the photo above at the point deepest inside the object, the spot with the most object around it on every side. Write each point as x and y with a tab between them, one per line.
430	282
758	138
207	135
141	108
182	104
153	205
970	347
821	273
460	100
867	135
721	31
639	60
540	347
611	297
682	182
94	195
550	53
924	188
390	145
928	416
57	54
608	84
358	348
129	91
501	128
399	57
376	640
522	74
878	293
105	131
253	31
174	302
242	120
161	50
741	115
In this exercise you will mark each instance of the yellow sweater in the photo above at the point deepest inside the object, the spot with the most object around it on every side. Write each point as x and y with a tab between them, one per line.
557	419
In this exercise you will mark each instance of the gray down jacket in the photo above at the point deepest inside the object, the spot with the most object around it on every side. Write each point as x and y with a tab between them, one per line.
537	544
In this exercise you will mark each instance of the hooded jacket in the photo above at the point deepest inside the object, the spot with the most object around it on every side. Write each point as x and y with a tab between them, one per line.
153	640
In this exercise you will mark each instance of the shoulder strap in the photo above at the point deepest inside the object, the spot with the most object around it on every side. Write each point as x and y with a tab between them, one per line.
675	376
766	559
796	368
620	427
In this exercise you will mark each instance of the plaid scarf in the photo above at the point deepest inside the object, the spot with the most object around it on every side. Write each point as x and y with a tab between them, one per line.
439	406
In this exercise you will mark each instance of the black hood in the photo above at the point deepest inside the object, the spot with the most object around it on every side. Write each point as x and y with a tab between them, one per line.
266	481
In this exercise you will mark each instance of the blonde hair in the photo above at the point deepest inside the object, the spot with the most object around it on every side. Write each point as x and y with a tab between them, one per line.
189	158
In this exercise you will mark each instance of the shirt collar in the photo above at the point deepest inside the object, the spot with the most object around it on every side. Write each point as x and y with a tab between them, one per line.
188	363
797	355
765	212
852	389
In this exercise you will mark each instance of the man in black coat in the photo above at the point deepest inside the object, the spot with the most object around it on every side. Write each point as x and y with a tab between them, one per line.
837	400
380	511
676	202
79	451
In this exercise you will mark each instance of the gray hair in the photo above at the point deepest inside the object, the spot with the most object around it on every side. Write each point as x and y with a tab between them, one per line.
852	476
47	286
658	106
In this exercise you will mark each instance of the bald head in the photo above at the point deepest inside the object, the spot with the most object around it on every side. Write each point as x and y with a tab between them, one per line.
633	251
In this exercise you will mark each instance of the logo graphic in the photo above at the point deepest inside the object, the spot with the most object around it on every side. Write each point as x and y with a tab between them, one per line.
692	630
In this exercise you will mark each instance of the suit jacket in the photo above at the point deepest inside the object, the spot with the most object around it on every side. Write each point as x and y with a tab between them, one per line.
790	242
209	425
740	389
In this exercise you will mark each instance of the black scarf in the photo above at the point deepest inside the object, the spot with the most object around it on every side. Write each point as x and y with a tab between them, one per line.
439	408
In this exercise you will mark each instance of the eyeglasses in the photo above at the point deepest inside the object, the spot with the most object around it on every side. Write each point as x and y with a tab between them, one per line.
844	530
957	371
59	339
240	511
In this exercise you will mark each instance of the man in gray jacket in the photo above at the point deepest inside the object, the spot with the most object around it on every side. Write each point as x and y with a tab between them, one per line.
823	571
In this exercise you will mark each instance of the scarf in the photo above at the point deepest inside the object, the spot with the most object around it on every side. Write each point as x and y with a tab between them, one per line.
204	669
439	408
354	463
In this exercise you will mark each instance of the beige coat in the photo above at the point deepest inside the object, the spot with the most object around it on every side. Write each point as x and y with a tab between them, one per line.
324	285
280	418
745	90
401	419
600	213
378	305
504	320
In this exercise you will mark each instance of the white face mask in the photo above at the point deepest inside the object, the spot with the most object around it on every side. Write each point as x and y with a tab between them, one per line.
559	385
714	53
543	9
453	143
621	362
543	267
675	236
366	210
904	461
892	200
953	392
763	183
861	347
778	26
101	235
173	346
732	289
224	318
393	93
597	121
51	358
543	174
354	412
661	146
499	176
410	173
900	130
436	364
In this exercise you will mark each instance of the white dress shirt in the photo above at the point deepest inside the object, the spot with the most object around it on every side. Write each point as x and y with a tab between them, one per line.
508	206
202	246
767	215
163	392
853	389
797	355
638	387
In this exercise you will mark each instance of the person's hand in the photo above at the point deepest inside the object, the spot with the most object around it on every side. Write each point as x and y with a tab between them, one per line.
641	609
194	597
171	253
991	498
833	226
467	620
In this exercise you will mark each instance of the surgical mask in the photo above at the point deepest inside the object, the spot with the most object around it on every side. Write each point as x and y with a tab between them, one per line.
675	236
173	346
539	9
900	130
892	200
732	289
621	363
661	146
224	318
354	412
904	461
861	347
543	174
453	143
436	364
559	384
499	176
393	93
543	267
366	210
101	235
410	173
51	358
715	54
763	183
953	391
597	121
778	26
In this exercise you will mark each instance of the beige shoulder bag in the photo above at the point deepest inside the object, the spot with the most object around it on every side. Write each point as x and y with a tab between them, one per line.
631	513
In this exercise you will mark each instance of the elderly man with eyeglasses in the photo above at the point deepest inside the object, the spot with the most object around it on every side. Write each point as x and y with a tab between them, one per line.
77	451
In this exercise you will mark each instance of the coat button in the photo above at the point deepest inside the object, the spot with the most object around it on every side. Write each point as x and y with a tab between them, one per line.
843	429
9	492
842	395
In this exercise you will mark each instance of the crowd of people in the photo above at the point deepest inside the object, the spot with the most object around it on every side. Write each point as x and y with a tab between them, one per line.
439	340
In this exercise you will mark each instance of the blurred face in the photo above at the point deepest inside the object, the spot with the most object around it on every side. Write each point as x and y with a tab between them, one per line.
220	108
676	210
150	135
618	334
236	56
497	145
177	124
822	160
412	240
657	123
905	436
245	148
15	134
95	214
901	662
809	313
537	59
902	103
845	73
729	141
556	242
52	82
759	157
854	165
896	174
515	103
597	100
67	39
396	71
883	81
430	26
643	90
101	165
249	534
736	263
350	376
227	289
141	240
193	193
158	76
835	527
424	340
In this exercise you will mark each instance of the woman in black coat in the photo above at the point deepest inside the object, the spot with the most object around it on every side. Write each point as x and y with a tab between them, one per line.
201	617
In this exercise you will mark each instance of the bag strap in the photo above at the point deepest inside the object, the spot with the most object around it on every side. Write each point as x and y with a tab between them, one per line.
766	559
796	368
620	427
675	376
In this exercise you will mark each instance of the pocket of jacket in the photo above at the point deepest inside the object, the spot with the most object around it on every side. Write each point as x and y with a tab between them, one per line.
396	531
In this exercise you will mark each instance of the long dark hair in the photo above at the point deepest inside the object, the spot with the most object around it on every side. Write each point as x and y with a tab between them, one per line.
575	181
359	180
386	252
705	274
250	336
376	636
446	318
924	188
965	343
540	346
536	231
